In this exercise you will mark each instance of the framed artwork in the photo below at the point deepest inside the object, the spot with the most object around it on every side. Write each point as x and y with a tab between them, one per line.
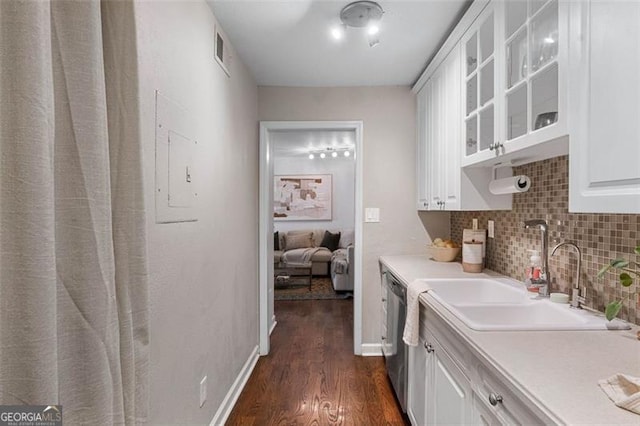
302	197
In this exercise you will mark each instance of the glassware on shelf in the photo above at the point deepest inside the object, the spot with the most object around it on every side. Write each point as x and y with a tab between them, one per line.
472	54
544	36
517	59
544	97
486	83
471	135
517	112
472	94
486	128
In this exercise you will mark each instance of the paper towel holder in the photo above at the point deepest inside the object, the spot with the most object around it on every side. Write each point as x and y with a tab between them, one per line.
508	185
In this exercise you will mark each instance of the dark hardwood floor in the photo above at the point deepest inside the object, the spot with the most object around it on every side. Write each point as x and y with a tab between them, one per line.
311	376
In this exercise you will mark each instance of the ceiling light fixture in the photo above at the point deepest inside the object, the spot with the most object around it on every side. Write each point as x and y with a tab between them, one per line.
360	14
334	152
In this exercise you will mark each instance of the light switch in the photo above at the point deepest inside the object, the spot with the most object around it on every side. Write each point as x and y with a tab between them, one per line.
372	214
491	229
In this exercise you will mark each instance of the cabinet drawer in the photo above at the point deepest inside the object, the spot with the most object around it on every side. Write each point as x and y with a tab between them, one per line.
495	403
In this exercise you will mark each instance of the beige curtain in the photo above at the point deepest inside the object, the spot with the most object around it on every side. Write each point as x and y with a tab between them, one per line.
73	271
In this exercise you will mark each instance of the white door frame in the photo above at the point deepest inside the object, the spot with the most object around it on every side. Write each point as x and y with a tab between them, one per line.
265	296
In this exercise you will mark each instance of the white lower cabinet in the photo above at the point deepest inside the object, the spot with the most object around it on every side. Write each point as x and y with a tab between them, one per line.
439	392
448	384
416	407
449	390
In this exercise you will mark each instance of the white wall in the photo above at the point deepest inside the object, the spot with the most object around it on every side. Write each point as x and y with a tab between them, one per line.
388	114
204	291
343	179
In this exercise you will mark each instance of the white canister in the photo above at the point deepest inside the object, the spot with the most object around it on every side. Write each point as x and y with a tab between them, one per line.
472	256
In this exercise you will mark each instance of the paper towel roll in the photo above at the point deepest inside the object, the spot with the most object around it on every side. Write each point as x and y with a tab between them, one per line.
510	185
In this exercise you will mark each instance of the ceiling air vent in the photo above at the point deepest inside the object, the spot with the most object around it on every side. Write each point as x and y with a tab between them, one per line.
222	51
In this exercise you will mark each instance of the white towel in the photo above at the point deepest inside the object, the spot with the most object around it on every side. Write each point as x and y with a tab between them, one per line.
411	334
623	390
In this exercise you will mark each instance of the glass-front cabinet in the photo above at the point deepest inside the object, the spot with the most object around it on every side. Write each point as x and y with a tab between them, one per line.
515	89
479	70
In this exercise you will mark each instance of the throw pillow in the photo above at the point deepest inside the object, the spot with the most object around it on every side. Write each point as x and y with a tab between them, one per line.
298	240
276	240
330	241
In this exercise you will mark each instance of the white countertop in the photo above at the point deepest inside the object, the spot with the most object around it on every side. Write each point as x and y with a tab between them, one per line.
558	370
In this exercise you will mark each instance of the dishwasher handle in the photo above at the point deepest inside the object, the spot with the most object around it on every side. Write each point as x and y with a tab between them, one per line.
397	288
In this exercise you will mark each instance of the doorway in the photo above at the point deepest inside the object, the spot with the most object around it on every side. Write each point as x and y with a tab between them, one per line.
270	132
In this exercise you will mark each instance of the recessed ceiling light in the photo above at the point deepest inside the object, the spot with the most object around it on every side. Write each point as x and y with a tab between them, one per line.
311	156
323	155
347	153
334	154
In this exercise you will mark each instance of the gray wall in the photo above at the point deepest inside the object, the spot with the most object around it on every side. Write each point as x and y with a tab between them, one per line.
388	114
204	291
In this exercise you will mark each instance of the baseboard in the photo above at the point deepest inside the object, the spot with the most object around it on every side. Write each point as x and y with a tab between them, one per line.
371	349
273	324
236	388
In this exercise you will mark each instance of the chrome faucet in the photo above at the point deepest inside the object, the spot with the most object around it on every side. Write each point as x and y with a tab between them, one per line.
545	276
577	299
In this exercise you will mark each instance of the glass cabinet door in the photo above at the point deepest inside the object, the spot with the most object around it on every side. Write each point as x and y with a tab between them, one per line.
531	66
480	86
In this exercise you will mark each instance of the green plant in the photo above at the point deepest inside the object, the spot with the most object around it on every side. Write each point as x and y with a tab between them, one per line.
626	280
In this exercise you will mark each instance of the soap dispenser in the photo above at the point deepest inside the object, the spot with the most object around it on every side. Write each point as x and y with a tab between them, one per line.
533	272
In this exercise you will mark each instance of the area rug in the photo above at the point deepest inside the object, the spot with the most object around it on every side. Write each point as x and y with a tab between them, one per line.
321	288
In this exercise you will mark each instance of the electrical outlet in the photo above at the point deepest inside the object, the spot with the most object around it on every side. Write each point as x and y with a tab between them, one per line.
490	229
474	223
203	390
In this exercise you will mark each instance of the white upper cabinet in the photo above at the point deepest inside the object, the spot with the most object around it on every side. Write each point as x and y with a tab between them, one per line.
422	186
480	87
442	183
604	160
515	83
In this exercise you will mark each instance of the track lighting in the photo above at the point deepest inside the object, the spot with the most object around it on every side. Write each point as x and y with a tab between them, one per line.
360	14
333	151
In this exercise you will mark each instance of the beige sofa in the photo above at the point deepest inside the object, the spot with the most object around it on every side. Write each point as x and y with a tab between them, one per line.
320	256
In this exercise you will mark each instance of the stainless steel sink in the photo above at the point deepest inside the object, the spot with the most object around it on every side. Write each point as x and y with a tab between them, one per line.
488	304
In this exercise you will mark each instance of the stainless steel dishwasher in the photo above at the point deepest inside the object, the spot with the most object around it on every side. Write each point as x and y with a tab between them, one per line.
393	347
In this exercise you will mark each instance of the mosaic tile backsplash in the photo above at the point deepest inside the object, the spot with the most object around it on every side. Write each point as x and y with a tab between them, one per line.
601	237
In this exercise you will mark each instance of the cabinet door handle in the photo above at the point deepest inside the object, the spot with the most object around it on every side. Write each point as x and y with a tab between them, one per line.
384	338
495	399
384	300
428	347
